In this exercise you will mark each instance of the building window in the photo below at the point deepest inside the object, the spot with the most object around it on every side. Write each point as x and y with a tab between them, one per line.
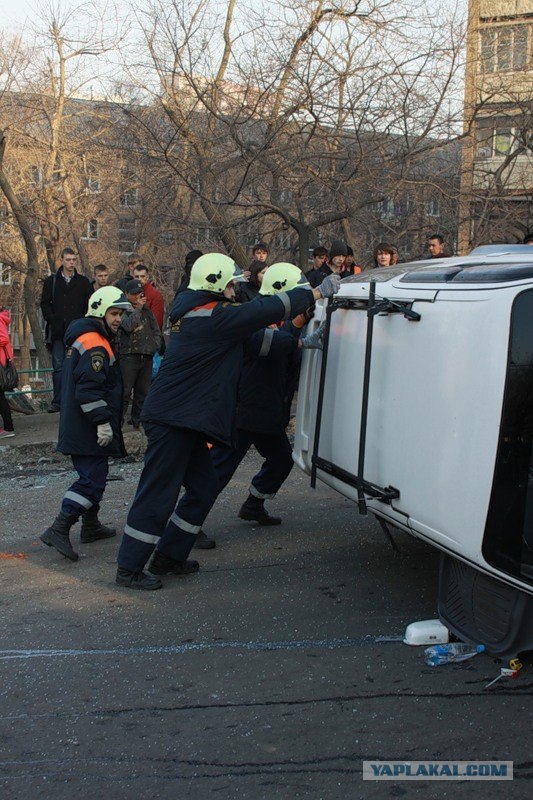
93	182
501	138
127	234
433	207
483	142
129	198
166	238
503	141
505	48
5	275
36	175
92	229
385	207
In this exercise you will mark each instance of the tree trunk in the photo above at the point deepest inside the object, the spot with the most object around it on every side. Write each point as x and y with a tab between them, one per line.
225	232
31	287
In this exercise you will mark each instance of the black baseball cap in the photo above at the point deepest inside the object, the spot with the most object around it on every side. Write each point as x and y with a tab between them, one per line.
134	287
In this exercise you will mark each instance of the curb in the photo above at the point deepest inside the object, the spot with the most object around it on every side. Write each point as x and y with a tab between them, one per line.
14	455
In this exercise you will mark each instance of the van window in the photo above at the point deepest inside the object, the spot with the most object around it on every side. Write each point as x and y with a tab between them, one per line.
508	539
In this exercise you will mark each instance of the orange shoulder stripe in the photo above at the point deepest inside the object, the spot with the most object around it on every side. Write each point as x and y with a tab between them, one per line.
93	339
207	305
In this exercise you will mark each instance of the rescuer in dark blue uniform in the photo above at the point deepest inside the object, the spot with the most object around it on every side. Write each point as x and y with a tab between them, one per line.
263	406
191	402
89	425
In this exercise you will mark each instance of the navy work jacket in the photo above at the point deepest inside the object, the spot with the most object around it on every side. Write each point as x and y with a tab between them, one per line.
267	381
91	391
196	386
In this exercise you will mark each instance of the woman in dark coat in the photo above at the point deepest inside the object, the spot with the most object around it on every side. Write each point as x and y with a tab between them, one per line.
250	289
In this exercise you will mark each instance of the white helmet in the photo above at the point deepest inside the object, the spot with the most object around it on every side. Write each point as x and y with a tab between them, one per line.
105	298
213	271
282	277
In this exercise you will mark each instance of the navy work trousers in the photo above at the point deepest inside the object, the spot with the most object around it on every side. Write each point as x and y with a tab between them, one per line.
88	490
175	457
275	449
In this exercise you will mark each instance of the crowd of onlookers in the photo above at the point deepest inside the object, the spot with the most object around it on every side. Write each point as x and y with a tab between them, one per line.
140	343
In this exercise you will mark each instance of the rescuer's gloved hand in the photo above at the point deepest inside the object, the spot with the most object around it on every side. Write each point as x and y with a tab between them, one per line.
309	313
104	434
330	286
315	341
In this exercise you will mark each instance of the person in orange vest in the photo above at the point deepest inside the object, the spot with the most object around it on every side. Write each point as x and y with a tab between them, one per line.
91	410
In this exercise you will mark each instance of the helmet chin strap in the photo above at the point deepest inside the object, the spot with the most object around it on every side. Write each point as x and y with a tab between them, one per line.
107	329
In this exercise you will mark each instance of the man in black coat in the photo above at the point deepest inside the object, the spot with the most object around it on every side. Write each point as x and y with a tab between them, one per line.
64	298
192	402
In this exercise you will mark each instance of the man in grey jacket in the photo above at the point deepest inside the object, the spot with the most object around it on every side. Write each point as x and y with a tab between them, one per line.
139	339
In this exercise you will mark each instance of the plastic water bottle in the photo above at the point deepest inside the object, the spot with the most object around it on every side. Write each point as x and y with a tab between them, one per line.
451	653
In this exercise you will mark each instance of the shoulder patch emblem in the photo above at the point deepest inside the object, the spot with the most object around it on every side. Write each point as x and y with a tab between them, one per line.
97	361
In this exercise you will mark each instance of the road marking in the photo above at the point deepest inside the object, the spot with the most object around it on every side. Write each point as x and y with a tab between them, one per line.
191	647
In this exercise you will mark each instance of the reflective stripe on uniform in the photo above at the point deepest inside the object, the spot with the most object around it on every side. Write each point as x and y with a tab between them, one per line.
253	491
268	336
201	311
140	535
198	312
185	526
85	407
78	498
285	299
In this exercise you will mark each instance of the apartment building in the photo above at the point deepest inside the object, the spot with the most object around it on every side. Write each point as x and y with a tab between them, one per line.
497	163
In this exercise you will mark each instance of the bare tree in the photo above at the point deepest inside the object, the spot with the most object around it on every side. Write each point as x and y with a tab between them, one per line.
46	130
297	122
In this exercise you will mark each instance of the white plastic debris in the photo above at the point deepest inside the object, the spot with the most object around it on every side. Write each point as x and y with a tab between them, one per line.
426	631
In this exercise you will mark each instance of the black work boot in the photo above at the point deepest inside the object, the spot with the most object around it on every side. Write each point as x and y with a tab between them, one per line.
164	565
57	535
203	542
137	580
91	527
254	509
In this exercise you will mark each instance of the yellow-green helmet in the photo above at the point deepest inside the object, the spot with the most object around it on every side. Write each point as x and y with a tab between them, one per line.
105	298
213	271
282	277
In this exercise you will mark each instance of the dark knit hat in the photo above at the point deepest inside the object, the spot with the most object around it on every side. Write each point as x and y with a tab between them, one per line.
191	257
338	248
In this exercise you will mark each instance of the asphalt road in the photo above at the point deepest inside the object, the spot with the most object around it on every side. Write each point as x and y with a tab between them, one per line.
273	673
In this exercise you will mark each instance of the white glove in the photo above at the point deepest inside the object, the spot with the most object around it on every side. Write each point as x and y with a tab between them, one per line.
330	285
104	434
315	341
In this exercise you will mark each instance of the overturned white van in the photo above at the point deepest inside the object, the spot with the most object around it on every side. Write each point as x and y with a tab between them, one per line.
420	409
